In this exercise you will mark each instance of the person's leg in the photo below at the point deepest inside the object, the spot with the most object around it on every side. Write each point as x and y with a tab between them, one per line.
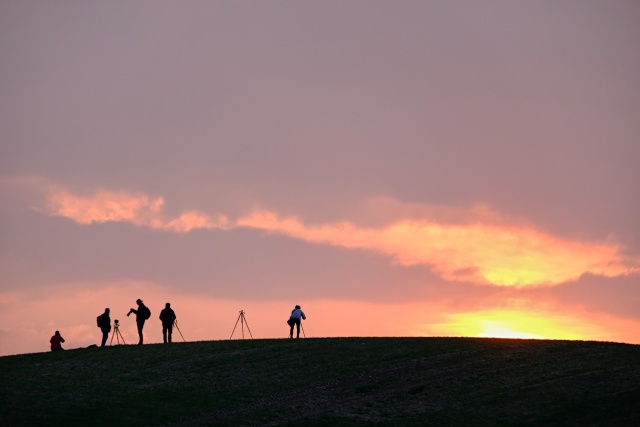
170	329
291	330
105	335
140	326
298	327
164	333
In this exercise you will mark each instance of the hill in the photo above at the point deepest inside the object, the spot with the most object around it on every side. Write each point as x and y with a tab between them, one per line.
328	381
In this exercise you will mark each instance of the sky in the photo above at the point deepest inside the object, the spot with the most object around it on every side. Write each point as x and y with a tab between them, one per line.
406	168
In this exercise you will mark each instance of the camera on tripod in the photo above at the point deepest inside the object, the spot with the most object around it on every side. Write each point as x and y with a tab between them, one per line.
116	333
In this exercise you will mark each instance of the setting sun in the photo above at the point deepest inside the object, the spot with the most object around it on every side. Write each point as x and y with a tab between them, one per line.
493	329
513	324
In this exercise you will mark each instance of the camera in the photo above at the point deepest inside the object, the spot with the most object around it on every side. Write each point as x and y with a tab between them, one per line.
116	322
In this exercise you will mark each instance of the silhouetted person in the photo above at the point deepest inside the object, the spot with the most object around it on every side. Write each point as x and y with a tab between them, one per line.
167	317
104	323
294	319
56	342
142	314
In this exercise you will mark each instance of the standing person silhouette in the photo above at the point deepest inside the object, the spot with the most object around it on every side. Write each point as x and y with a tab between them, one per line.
294	319
142	314
104	323
167	317
56	341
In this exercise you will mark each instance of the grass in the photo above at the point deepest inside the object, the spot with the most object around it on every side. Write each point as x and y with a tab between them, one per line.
328	381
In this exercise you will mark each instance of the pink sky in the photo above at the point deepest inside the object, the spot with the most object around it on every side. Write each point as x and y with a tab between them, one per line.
416	169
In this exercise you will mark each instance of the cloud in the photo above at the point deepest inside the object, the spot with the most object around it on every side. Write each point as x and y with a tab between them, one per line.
138	209
484	251
107	206
192	220
501	255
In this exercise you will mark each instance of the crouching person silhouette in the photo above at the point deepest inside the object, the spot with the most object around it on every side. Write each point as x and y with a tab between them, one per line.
104	323
56	341
167	317
142	314
294	319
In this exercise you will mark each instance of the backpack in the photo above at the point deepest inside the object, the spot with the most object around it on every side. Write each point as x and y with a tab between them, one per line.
103	322
147	312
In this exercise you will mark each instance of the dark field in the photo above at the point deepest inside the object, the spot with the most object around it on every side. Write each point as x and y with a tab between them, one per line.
330	381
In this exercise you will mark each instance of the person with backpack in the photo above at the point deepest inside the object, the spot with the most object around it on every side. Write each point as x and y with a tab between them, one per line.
142	314
104	323
56	341
167	317
294	319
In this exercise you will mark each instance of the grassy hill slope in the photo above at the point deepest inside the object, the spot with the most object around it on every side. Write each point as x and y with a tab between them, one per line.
329	381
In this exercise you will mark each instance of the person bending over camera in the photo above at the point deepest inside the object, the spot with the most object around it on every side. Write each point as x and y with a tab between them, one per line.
167	317
296	314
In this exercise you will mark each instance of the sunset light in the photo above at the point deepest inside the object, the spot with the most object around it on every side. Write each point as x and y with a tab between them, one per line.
411	168
500	323
492	329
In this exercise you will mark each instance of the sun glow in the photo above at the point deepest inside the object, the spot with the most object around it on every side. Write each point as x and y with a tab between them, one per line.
498	329
514	324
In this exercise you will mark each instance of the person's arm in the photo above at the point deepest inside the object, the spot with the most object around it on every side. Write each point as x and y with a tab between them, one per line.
61	339
303	316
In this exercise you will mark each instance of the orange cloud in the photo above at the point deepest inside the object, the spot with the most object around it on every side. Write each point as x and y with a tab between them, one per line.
481	253
191	220
485	252
107	206
138	209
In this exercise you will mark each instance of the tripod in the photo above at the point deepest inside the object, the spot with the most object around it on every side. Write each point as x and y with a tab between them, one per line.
117	334
175	323
242	321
